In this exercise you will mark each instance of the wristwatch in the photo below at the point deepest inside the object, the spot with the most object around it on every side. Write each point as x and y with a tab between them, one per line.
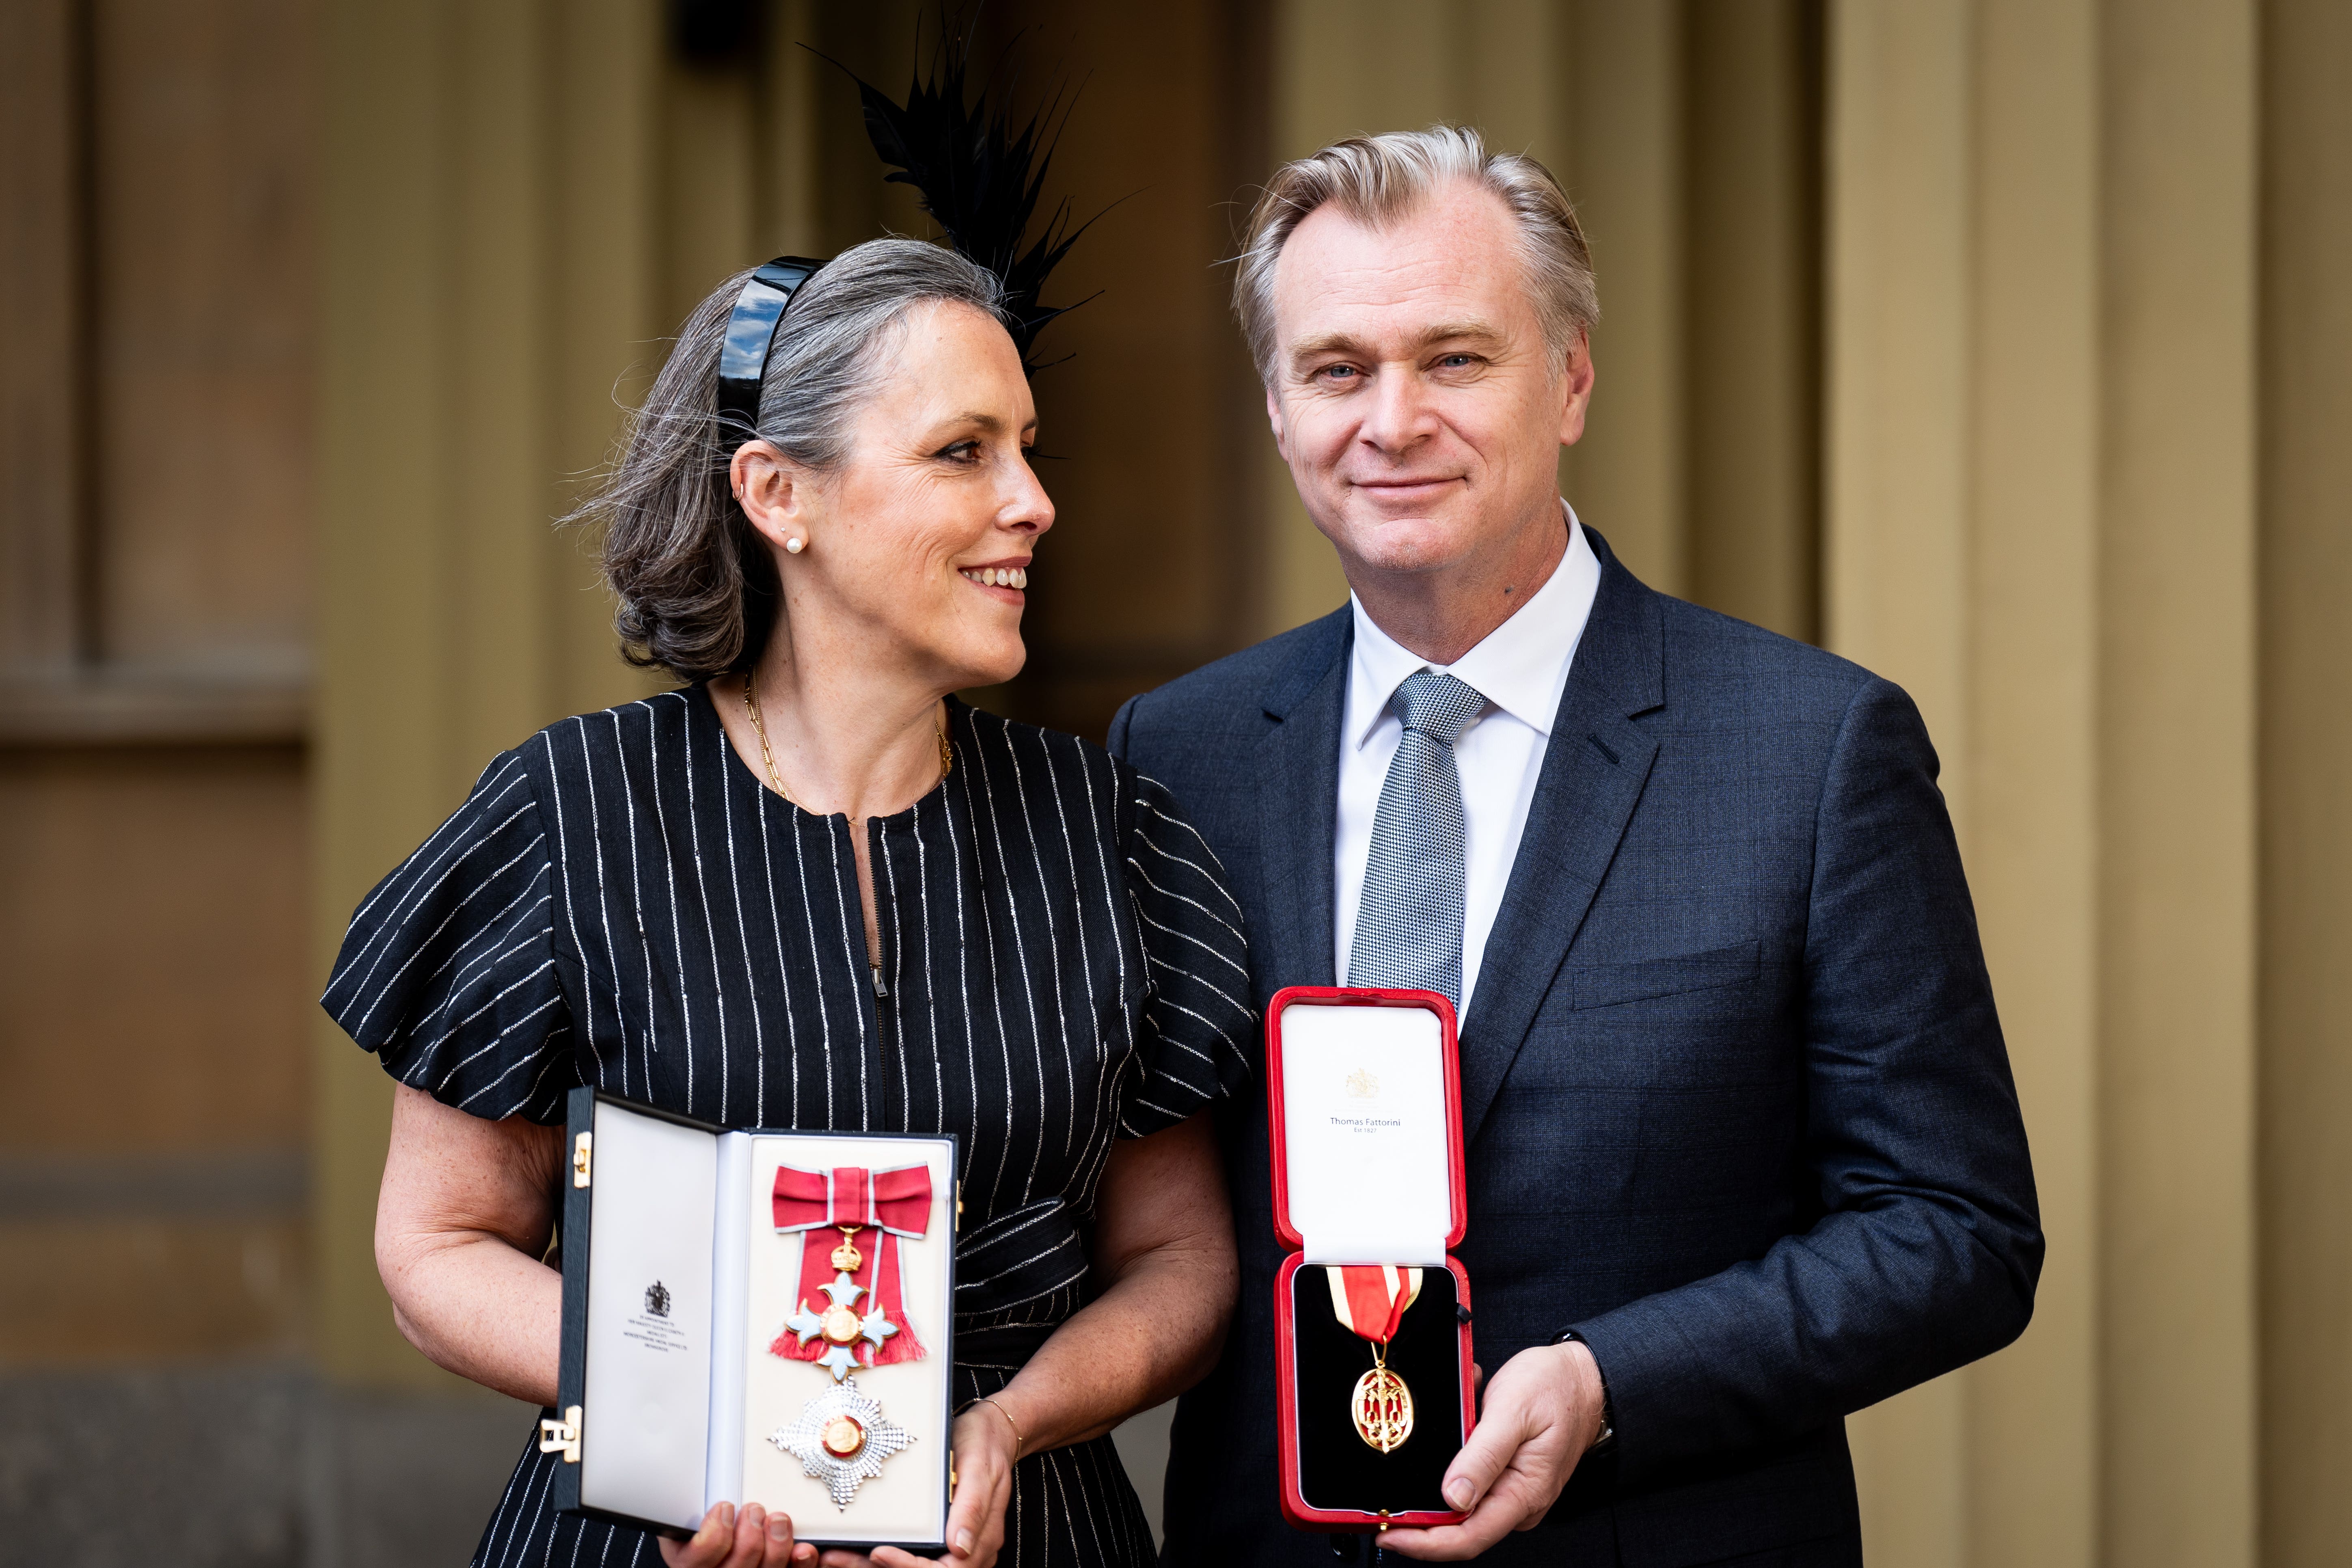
1608	1434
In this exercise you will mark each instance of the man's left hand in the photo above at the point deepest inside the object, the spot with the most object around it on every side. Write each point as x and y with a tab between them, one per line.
1542	1412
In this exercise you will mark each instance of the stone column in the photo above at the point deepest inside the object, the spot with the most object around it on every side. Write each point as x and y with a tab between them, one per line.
2042	521
2304	1160
491	261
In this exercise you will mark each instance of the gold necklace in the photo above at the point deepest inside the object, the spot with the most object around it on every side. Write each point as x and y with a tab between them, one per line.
760	726
776	782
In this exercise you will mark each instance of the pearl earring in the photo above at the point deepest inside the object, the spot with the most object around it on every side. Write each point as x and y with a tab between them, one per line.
793	546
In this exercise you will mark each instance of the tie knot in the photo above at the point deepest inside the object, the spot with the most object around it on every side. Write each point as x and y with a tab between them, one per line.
1436	705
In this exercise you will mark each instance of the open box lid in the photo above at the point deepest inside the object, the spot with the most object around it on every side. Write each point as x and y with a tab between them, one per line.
639	1229
1364	1108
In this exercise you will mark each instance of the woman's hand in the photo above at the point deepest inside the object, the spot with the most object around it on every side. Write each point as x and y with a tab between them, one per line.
985	1449
1166	1275
752	1538
1164	1266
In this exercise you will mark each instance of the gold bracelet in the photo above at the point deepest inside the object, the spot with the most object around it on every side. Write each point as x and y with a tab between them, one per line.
1019	1442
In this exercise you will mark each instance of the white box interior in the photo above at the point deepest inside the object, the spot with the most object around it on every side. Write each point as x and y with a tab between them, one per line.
678	1405
906	1503
1365	1139
648	1373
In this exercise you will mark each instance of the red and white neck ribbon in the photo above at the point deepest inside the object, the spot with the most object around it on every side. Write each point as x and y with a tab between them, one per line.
1370	1299
886	1206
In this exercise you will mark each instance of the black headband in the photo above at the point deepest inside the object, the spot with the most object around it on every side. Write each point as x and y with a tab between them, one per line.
751	332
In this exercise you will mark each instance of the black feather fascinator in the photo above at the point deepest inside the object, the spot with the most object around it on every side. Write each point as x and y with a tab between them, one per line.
979	176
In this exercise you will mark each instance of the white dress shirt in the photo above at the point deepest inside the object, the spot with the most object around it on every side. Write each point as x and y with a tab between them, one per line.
1521	669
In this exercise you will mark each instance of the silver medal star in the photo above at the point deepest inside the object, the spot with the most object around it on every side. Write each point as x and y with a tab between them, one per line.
804	1440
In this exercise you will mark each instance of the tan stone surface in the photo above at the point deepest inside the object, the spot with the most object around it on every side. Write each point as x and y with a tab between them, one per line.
150	949
2305	1156
98	1290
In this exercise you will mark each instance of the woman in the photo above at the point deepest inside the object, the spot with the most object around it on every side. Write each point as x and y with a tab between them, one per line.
811	890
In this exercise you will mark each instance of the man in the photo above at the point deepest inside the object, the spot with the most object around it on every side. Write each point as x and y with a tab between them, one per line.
1744	1154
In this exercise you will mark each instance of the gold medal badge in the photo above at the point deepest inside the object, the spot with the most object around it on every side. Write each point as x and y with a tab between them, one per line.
1369	1301
841	1436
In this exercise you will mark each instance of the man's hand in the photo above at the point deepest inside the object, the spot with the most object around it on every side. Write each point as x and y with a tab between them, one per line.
754	1538
1542	1411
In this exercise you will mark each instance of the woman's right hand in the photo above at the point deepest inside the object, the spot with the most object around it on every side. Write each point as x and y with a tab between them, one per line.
986	1448
752	1538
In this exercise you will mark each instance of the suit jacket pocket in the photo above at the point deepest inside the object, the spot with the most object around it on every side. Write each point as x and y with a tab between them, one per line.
1607	985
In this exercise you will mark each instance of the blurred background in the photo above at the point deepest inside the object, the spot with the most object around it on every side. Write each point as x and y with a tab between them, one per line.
2003	345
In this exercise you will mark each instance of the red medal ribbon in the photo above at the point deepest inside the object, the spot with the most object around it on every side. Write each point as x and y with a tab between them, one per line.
885	1206
1370	1298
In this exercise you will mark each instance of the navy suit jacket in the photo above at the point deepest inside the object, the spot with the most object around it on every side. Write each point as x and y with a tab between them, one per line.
1735	1100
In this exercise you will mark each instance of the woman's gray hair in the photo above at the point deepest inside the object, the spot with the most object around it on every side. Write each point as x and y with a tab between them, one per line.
1377	180
697	586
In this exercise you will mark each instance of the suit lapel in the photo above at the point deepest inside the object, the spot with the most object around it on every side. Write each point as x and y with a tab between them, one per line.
1593	772
1298	803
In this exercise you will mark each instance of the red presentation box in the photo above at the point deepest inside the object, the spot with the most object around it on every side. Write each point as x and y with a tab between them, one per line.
1364	1102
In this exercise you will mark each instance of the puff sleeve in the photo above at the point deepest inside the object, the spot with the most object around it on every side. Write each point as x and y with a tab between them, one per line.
1196	1026
448	971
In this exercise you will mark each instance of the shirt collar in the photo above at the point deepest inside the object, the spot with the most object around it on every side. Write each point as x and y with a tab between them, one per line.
1520	666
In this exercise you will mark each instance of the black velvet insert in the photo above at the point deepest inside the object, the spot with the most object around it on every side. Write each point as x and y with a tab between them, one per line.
1337	1469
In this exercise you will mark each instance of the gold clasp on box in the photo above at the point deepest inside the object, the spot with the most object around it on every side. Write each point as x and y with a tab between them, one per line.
581	1147
562	1436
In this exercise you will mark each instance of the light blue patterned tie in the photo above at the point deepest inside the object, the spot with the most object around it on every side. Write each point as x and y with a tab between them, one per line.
1409	924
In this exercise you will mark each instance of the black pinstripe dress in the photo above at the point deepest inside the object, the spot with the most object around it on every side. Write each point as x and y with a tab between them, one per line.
621	902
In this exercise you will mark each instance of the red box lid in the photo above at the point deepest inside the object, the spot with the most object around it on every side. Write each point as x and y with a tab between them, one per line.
1374	1160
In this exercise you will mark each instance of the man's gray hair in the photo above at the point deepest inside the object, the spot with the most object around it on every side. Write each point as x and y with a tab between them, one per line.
1377	180
696	588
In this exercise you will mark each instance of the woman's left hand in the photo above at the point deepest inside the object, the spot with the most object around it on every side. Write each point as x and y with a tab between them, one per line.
1163	1261
985	1449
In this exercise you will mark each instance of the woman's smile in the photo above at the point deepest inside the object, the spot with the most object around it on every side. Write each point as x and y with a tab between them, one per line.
1001	579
